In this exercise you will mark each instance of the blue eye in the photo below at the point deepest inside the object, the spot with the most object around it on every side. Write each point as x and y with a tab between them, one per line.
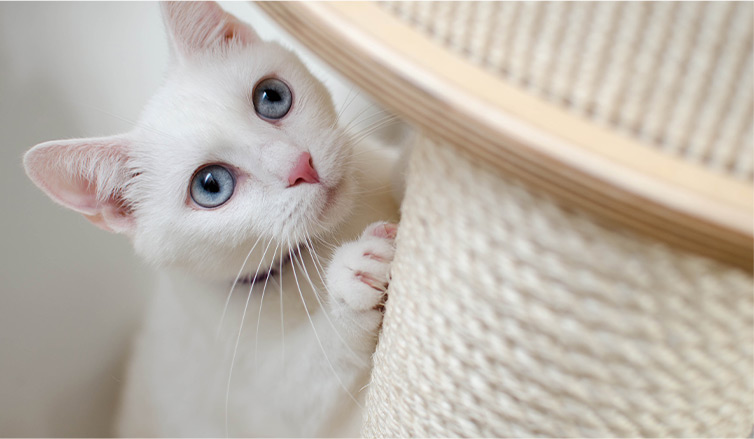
272	98
212	186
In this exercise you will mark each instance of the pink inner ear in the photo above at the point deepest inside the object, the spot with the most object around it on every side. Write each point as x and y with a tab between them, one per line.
85	175
52	166
76	194
195	27
237	29
113	216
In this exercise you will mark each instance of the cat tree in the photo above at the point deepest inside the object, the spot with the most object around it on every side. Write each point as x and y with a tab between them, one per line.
575	251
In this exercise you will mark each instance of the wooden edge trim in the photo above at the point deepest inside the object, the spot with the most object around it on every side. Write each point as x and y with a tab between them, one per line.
627	183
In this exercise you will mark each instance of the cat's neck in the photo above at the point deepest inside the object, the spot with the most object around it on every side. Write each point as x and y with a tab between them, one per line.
264	275
214	304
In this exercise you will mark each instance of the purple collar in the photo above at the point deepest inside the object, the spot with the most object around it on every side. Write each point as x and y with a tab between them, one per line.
264	275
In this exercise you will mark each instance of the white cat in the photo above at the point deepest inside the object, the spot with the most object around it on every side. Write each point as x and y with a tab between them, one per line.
236	178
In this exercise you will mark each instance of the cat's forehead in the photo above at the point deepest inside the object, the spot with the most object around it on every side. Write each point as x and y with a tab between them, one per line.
221	86
239	70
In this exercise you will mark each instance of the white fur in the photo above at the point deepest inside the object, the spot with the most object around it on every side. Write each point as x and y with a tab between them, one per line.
291	376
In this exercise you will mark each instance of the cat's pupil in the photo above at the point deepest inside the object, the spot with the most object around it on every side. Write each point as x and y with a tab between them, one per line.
272	95
210	184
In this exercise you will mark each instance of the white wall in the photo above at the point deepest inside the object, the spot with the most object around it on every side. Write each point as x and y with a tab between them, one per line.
71	294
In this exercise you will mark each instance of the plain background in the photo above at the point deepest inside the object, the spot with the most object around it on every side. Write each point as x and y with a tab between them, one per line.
70	294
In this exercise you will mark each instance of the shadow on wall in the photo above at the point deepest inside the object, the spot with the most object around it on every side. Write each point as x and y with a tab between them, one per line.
70	294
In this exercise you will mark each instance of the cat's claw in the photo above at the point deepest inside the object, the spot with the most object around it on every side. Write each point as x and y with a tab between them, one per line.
359	273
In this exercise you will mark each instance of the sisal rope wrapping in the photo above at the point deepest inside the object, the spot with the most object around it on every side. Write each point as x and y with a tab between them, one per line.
677	76
511	315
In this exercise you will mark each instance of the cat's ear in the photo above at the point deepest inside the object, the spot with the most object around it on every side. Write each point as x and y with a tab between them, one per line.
86	175
196	27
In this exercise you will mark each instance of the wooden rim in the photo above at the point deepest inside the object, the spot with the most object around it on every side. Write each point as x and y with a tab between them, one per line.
627	183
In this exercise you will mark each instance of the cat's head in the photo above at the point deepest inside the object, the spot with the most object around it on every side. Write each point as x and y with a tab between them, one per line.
239	146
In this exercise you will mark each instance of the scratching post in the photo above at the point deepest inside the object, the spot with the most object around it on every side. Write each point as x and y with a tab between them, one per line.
575	251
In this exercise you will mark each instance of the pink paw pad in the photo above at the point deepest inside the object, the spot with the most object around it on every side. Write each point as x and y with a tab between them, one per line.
384	230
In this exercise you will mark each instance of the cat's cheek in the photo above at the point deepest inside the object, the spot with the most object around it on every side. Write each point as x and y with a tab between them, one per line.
339	203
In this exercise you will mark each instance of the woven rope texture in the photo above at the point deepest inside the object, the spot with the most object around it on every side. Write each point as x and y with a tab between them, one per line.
510	315
673	75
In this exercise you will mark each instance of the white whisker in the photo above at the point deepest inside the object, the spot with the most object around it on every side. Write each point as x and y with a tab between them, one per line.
313	254
311	322
358	137
322	305
378	119
355	121
282	320
238	338
347	102
230	293
261	303
377	190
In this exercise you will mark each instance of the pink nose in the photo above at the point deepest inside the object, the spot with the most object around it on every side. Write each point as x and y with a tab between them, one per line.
303	171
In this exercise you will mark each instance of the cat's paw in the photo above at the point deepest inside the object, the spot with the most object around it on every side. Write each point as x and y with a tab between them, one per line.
359	273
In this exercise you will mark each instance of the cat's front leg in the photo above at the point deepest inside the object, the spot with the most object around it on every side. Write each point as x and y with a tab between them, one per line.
357	280
333	361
